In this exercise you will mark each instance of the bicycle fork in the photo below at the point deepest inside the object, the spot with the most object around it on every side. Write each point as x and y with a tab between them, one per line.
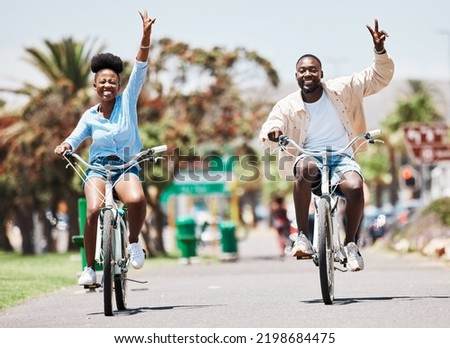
119	259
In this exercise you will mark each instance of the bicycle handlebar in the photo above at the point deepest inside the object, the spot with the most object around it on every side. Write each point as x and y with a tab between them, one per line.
147	152
158	149
284	140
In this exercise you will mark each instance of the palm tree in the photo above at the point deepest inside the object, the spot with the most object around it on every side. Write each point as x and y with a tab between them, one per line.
66	63
46	119
375	166
180	113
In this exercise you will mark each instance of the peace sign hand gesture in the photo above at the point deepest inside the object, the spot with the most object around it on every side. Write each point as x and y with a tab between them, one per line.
378	36
146	21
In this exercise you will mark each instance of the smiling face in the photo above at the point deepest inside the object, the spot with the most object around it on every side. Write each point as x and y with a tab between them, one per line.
107	84
308	74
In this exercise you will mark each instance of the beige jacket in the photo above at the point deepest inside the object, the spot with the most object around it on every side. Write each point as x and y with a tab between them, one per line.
346	93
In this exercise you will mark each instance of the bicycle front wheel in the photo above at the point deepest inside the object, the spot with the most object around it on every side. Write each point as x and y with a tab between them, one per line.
325	251
108	261
120	280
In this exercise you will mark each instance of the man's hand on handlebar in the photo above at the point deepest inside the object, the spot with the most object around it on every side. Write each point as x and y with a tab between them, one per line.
274	134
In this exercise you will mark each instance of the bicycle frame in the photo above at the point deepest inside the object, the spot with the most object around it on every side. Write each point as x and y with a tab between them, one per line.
112	228
325	184
120	222
110	202
332	199
327	245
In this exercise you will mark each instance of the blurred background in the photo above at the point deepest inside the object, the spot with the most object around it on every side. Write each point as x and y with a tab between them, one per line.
216	69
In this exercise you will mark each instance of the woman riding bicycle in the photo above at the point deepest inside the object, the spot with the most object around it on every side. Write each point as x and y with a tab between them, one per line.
113	126
327	114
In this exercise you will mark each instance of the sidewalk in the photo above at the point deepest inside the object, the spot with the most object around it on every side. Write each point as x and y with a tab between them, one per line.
258	242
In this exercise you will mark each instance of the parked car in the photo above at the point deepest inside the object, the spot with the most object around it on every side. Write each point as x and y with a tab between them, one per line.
375	224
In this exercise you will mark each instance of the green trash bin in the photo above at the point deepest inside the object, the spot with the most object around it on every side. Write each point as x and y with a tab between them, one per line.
79	240
228	239
186	237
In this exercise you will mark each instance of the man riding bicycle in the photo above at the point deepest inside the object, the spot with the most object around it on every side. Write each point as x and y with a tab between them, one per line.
326	115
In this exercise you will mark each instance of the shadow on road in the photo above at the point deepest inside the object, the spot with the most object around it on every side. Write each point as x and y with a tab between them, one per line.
139	310
347	301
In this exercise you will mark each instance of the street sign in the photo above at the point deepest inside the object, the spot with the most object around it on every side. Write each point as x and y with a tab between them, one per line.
427	143
430	154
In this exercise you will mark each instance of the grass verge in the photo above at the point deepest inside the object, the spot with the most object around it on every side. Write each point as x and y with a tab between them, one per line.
24	277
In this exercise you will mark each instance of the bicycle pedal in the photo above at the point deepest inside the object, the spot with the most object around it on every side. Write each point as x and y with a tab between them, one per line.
340	269
92	286
304	257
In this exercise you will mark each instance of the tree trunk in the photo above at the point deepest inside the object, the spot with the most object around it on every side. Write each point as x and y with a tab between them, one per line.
24	220
47	230
74	225
5	243
158	224
5	212
393	193
378	195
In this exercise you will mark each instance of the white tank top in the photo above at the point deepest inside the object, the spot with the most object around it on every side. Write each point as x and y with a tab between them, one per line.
325	127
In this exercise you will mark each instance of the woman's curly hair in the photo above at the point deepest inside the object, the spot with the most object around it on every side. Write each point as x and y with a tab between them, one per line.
106	61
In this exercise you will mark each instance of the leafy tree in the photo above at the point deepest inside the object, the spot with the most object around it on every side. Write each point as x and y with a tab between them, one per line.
376	169
33	174
194	102
192	97
417	107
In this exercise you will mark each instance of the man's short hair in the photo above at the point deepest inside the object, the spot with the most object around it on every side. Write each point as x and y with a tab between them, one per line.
311	56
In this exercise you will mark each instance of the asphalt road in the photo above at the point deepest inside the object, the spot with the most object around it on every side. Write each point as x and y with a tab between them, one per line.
258	291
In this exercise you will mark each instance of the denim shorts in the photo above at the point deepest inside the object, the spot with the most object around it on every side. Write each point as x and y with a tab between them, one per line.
338	164
116	175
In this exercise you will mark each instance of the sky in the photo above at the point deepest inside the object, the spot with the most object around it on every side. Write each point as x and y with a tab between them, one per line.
279	30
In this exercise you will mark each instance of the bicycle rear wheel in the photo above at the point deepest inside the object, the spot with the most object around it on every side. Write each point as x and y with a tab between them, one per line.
108	261
120	288
325	251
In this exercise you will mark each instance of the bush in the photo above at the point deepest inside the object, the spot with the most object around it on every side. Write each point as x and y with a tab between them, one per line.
440	207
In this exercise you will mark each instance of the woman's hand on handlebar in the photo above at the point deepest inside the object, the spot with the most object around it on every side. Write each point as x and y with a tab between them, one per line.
60	149
274	134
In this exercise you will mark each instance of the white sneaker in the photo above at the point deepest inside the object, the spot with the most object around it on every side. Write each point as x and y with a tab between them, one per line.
302	248
136	255
355	261
88	277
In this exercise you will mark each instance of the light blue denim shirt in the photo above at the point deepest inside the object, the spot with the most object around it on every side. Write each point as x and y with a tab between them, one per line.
118	135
